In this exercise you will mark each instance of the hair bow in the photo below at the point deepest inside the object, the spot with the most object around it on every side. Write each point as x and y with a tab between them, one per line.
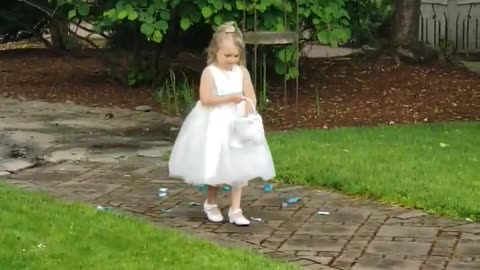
230	29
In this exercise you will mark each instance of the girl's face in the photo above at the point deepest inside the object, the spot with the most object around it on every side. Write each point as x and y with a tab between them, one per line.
228	54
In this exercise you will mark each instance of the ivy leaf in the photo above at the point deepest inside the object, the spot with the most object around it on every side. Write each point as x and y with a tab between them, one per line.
293	72
285	55
288	7
157	36
338	35
323	36
110	13
129	7
278	4
262	7
123	14
185	23
83	9
72	13
151	9
98	27
227	6
207	12
344	34
149	19
280	68
119	5
217	19
162	25
132	15
269	20
240	5
147	29
280	27
165	15
307	13
131	81
327	18
218	4
329	10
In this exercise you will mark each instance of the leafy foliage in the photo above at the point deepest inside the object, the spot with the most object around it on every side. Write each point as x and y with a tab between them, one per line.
157	24
324	21
367	17
331	22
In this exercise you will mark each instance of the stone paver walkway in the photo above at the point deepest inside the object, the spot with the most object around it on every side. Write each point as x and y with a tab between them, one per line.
115	166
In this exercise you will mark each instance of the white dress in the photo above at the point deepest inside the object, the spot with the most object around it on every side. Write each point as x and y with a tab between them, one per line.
203	152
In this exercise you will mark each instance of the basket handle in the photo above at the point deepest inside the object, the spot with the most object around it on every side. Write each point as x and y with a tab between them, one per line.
251	104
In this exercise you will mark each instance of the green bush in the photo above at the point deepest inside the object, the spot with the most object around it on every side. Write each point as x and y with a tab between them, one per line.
327	21
367	17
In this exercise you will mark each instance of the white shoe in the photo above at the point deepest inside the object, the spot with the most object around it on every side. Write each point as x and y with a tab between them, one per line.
236	217
213	213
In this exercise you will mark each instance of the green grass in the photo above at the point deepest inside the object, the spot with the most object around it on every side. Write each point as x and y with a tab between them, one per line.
37	232
404	165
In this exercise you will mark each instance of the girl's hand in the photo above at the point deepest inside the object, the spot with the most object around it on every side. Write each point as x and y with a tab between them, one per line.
237	99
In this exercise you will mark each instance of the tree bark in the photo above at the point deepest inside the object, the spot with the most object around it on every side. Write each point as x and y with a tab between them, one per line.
405	28
172	44
406	20
57	33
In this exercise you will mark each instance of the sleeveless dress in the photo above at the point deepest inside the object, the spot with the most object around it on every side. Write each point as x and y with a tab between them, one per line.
203	152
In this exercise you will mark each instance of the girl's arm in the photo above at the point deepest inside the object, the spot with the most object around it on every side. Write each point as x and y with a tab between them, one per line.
207	97
249	91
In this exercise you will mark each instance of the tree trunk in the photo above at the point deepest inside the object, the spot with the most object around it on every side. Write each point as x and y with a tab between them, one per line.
406	22
405	30
172	45
58	33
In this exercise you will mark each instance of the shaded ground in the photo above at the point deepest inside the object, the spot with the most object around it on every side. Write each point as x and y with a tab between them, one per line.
360	92
121	162
352	93
81	78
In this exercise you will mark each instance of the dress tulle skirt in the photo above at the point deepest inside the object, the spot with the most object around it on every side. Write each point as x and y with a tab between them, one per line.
203	155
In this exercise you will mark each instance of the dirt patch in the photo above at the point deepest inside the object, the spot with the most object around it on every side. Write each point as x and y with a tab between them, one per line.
357	92
81	77
351	93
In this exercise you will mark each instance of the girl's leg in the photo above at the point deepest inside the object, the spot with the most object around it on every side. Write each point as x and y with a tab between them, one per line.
236	197
235	213
210	206
212	195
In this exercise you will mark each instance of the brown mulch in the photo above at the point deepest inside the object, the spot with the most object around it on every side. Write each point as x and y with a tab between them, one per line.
352	93
360	92
81	78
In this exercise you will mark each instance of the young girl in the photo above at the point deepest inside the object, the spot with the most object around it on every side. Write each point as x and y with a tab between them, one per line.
203	153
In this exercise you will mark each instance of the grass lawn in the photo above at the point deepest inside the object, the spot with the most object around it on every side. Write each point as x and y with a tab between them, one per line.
37	232
435	167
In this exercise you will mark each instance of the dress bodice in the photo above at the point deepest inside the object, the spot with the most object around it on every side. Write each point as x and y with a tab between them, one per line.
227	82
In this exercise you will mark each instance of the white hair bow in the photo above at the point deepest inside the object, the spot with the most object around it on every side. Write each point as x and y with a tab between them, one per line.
230	29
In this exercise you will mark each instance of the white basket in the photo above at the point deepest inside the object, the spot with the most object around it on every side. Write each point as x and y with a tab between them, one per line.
249	130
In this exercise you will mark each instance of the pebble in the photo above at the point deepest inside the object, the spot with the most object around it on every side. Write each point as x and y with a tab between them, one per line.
143	108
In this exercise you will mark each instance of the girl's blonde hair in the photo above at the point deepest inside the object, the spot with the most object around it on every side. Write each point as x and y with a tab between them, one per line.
226	30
